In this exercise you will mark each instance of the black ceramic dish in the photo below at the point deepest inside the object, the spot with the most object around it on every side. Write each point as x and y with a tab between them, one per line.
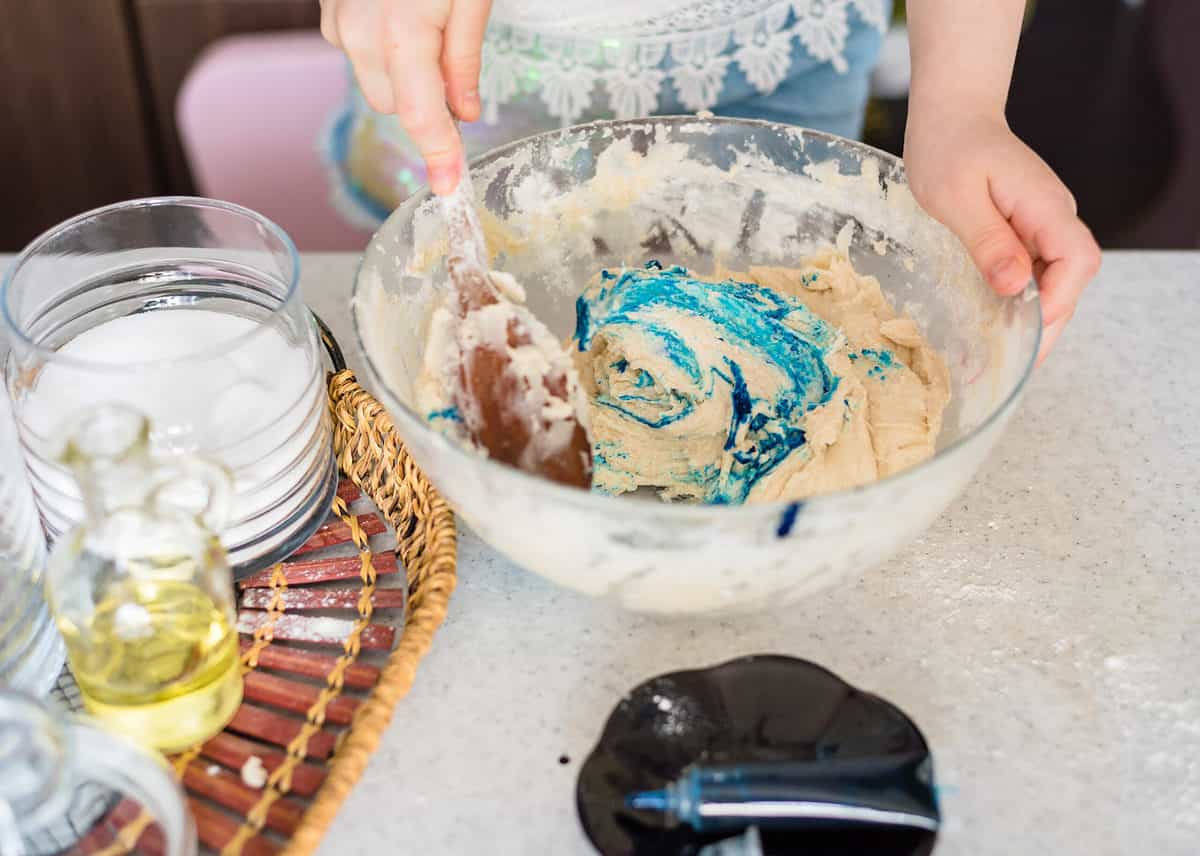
763	708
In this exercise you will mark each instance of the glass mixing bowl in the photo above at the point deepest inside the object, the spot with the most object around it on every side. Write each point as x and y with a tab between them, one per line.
560	206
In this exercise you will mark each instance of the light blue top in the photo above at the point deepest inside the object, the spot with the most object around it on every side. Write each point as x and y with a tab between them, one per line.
799	62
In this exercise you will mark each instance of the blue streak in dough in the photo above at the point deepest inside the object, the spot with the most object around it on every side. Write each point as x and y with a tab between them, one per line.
883	358
762	323
450	414
641	380
742	403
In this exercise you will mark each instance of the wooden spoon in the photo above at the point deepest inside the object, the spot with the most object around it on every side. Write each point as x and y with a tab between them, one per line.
517	395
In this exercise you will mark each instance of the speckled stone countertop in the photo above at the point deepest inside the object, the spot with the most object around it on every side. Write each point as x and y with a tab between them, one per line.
1044	633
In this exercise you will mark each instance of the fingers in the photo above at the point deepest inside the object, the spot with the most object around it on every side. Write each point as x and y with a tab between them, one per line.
1043	212
354	27
374	82
419	94
1050	334
398	54
329	29
1067	258
1071	257
462	54
993	244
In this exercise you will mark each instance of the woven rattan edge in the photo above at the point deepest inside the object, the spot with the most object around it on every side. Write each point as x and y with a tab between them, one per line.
370	453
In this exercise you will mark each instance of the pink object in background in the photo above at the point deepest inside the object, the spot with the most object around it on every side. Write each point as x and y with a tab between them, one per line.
251	114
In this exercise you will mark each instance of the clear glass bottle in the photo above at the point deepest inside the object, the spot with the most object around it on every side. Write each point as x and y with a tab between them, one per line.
70	787
142	590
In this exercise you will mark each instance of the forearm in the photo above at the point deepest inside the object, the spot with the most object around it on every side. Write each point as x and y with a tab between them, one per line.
962	53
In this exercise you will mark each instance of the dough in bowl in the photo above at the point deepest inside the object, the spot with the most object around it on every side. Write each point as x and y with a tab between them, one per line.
769	384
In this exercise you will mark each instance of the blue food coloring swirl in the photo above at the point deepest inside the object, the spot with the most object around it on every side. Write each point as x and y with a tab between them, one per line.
757	322
882	358
449	414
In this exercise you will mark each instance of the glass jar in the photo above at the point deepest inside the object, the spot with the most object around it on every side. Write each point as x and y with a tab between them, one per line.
189	311
70	787
141	589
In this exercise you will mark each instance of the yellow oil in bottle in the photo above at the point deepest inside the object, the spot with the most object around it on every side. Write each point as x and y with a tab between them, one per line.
158	661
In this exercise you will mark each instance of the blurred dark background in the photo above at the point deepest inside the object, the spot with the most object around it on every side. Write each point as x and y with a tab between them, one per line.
1107	91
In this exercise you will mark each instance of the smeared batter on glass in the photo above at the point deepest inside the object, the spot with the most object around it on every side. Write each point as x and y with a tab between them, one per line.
770	384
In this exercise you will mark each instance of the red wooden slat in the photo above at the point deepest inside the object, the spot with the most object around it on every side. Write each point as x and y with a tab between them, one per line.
347	490
313	665
216	828
301	599
104	834
98	837
318	631
124	812
323	570
296	697
233	751
151	842
275	728
337	531
227	789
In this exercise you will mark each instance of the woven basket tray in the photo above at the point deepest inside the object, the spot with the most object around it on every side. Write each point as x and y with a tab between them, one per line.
331	640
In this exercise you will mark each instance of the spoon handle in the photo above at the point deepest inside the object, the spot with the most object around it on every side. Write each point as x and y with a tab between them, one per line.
503	402
462	217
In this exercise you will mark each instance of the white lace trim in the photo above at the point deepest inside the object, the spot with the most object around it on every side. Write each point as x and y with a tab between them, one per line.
626	70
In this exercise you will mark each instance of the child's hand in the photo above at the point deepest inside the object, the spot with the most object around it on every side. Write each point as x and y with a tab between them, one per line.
418	59
1008	208
968	169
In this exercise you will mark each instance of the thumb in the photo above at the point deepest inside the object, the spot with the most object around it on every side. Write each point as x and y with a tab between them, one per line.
995	248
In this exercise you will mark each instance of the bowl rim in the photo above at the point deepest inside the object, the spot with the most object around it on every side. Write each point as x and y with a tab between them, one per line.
414	421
